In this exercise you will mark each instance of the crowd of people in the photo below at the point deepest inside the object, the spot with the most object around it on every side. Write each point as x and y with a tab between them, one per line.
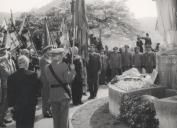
58	76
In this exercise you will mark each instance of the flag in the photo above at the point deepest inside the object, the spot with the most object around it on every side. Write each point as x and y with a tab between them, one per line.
65	35
81	28
47	39
4	25
166	20
12	18
22	26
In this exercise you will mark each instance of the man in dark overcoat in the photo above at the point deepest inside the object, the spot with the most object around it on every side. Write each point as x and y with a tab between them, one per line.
93	71
23	87
77	84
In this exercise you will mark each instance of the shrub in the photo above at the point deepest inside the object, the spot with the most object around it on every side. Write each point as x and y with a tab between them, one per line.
138	113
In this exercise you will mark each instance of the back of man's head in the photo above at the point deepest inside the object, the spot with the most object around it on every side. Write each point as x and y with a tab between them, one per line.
23	62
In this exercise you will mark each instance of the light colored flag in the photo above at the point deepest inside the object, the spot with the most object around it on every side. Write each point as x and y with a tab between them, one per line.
22	26
47	39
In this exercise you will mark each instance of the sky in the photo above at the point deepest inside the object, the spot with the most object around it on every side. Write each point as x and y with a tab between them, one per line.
140	8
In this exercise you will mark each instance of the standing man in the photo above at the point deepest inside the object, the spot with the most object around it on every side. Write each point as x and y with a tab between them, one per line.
126	59
45	60
23	87
59	76
137	59
77	84
115	63
147	39
149	60
139	44
93	71
104	66
7	67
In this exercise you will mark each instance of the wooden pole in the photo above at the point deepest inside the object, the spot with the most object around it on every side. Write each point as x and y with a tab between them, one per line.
74	30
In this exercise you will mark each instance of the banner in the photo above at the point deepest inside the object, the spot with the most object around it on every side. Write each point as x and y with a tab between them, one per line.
47	38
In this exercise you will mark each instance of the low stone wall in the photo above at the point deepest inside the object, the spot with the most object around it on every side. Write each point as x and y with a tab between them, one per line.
166	110
116	95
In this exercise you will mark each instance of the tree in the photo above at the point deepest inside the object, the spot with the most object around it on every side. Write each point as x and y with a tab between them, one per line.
112	16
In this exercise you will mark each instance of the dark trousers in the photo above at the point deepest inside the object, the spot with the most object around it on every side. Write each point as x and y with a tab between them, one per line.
93	86
60	113
3	105
45	96
25	116
103	77
76	92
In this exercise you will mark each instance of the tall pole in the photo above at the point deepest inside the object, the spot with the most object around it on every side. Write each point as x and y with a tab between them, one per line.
73	9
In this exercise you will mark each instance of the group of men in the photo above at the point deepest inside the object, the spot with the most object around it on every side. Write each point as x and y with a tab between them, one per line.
60	76
121	59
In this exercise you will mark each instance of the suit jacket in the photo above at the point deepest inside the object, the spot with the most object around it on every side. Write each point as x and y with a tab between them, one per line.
23	87
94	65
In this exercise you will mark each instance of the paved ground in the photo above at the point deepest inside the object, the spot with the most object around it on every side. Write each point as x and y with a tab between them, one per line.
48	123
86	112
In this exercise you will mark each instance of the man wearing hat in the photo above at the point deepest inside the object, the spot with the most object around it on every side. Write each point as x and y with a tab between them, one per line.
115	62
45	60
93	71
7	67
59	75
149	60
126	59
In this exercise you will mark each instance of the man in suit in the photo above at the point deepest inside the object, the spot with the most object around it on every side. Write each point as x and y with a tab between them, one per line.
59	76
45	60
23	87
7	67
93	72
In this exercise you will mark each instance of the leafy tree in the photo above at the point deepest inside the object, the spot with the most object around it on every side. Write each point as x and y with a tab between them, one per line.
113	16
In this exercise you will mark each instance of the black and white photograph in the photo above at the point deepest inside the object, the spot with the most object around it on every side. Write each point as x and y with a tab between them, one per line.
88	63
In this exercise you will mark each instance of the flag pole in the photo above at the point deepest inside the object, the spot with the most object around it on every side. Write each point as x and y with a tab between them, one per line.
74	29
